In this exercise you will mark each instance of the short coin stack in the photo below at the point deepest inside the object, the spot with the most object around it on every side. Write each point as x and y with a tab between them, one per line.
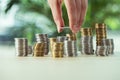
38	49
101	47
57	49
86	42
70	48
43	38
101	51
110	44
21	46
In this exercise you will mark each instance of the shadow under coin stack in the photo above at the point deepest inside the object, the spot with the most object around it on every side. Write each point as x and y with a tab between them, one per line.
38	49
86	41
21	46
57	50
43	38
101	34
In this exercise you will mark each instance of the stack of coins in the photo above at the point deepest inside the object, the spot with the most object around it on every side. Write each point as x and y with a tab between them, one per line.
70	48
61	38
100	33
43	38
110	44
71	37
101	47
86	41
21	46
101	51
52	40
29	49
57	51
86	32
38	49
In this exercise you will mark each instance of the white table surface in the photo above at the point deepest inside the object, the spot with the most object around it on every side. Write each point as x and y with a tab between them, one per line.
47	68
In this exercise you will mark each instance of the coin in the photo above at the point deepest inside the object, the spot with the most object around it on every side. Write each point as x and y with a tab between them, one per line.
61	38
57	49
43	38
21	46
39	49
110	44
101	33
101	51
86	41
52	40
71	37
70	48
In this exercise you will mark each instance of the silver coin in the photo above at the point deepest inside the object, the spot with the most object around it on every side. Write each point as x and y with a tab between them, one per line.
61	38
21	46
101	51
70	48
86	45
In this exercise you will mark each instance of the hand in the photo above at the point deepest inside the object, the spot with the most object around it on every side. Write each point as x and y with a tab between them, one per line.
76	10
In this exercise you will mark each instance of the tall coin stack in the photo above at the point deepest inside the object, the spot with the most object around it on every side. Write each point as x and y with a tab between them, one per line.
70	48
110	44
86	41
57	51
43	38
100	33
101	48
38	49
21	46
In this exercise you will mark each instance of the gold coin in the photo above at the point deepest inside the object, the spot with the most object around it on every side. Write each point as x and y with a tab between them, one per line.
100	25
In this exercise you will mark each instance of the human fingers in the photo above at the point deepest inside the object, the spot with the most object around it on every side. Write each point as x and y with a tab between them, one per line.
78	7
55	6
72	14
84	4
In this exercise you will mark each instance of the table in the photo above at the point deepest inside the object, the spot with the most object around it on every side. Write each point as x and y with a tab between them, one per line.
47	68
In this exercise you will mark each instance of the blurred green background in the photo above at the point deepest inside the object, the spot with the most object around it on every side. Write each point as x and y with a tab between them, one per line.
25	18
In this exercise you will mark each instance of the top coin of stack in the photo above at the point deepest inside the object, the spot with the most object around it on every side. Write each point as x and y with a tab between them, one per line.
86	32
71	37
100	33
